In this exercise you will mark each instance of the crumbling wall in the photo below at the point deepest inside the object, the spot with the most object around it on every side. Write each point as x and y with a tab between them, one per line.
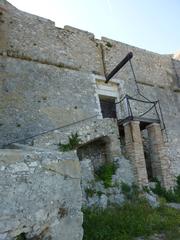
96	151
99	144
40	195
94	192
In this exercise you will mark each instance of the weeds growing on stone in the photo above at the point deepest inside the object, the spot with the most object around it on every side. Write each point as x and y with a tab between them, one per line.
108	44
171	195
105	172
21	236
73	143
130	192
90	192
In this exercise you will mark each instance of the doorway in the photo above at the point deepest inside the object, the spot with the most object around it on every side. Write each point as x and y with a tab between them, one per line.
108	106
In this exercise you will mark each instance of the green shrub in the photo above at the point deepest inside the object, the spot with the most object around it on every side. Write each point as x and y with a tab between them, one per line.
178	183
21	236
171	195
73	143
130	221
160	191
130	192
105	173
90	192
108	44
126	189
146	189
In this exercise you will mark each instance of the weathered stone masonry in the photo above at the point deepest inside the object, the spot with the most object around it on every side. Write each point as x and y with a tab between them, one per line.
38	56
40	194
53	78
134	149
160	161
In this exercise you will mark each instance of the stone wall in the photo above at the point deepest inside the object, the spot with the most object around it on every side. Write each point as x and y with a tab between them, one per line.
150	68
48	81
48	77
135	153
37	39
40	195
94	192
37	97
158	151
176	65
88	131
99	144
44	71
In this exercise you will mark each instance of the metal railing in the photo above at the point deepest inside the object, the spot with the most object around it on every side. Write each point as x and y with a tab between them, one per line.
47	131
132	108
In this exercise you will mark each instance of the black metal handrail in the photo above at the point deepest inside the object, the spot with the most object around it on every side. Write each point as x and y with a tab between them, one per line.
154	105
127	98
48	131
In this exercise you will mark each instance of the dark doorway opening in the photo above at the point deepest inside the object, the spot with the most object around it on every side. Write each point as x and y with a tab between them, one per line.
108	106
96	151
147	154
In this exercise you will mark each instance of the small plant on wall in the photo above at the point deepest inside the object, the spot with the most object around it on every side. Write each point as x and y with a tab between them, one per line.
21	236
73	143
108	44
105	172
171	195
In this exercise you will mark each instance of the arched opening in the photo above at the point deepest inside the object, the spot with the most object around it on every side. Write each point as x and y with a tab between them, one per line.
96	151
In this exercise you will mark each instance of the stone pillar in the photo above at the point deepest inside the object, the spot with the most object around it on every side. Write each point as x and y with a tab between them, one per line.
159	159
114	146
135	152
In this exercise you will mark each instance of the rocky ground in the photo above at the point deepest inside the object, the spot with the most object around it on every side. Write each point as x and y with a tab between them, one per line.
154	237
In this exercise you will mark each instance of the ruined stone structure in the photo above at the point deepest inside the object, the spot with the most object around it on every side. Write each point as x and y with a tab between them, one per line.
52	85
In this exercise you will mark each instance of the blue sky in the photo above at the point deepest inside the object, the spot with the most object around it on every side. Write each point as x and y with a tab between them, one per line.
150	24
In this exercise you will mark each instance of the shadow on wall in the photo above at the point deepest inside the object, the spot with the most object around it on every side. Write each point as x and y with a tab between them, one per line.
97	151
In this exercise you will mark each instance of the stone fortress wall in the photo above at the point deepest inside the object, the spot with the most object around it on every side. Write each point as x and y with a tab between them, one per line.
51	78
48	77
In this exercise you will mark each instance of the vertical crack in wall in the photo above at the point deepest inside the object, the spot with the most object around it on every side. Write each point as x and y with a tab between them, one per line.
103	59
